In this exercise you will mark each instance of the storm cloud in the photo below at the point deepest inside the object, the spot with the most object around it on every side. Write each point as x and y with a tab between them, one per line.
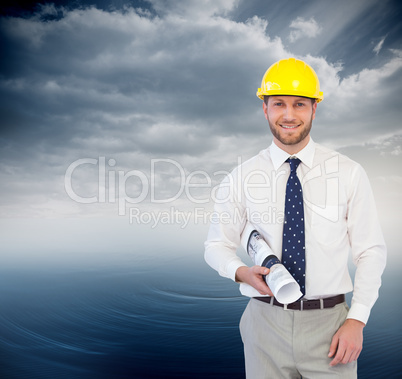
178	82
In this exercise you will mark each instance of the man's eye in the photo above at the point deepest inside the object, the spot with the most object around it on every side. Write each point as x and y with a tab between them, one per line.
277	104
300	104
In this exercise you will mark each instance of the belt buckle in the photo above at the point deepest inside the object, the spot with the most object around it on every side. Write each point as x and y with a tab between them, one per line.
285	307
301	304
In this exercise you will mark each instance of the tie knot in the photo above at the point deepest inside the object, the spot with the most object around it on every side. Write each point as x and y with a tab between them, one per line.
294	163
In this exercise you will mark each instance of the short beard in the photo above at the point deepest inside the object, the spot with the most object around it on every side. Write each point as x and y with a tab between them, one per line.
294	140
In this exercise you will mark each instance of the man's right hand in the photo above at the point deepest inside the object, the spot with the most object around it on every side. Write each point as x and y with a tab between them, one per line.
253	277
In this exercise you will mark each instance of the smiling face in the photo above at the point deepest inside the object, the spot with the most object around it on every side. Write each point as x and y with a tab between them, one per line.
290	119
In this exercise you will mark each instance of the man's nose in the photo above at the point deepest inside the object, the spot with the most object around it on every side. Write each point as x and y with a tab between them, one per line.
288	114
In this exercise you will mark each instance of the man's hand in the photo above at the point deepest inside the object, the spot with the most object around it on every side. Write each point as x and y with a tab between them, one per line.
347	342
253	277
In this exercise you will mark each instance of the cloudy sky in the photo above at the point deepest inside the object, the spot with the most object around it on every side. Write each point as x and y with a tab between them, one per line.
128	99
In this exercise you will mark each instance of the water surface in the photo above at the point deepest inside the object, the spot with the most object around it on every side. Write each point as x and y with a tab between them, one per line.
128	317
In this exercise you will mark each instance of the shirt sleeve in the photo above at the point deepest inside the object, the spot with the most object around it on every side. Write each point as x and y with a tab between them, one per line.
227	224
367	246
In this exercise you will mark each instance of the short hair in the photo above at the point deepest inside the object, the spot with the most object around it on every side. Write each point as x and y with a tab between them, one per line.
266	97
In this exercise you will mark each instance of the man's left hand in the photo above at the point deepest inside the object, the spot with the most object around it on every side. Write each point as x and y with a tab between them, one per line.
347	343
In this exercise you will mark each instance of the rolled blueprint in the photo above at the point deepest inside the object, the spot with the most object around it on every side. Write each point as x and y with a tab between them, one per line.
279	280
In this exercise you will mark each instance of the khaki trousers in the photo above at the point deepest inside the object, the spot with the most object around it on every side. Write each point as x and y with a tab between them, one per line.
282	343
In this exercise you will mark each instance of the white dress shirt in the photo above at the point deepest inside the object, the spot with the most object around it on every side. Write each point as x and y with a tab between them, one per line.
340	217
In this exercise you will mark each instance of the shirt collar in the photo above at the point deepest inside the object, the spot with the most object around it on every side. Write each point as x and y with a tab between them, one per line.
279	156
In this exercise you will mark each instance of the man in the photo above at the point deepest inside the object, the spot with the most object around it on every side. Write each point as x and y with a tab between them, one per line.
317	336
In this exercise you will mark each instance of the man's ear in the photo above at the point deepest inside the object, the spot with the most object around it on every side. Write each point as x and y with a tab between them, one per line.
314	109
265	108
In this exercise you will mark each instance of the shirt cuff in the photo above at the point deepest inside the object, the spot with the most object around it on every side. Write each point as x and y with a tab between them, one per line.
359	312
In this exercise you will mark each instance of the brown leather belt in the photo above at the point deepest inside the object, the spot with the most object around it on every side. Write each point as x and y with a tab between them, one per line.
304	305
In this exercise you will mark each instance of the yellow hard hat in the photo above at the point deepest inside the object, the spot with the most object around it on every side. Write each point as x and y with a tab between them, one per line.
291	77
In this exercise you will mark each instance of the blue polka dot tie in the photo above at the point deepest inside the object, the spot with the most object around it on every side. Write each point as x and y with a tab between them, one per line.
293	249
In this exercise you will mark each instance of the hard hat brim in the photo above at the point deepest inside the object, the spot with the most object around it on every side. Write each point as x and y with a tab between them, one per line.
260	93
